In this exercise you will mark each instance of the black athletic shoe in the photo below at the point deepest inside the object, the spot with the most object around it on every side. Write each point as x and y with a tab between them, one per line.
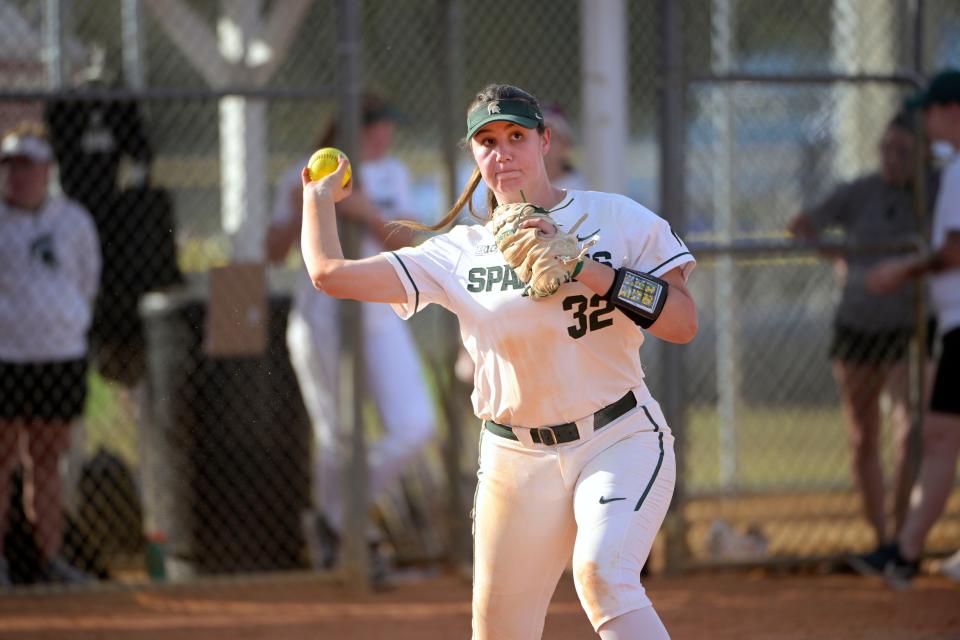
5	581
324	545
875	562
59	571
900	572
379	567
323	542
329	542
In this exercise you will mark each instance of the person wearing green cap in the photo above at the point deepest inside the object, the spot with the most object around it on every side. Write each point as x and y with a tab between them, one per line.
899	562
576	458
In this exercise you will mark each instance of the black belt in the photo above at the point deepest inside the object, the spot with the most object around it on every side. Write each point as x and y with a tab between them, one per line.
561	433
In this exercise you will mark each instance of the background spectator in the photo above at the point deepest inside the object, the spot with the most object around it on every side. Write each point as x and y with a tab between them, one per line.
49	269
872	331
940	102
92	138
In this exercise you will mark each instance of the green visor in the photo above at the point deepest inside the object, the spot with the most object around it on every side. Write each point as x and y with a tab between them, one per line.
520	112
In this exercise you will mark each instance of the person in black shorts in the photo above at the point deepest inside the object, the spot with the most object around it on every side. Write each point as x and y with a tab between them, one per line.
49	269
940	105
872	332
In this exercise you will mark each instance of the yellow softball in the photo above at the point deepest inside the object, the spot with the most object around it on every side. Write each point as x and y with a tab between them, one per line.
324	161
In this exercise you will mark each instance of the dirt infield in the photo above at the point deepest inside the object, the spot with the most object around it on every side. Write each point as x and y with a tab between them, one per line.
734	605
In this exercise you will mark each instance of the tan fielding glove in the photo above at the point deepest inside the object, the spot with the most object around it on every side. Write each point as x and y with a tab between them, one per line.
542	263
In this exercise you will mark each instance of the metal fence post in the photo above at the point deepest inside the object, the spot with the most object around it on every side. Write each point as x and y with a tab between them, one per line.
603	42
132	16
722	22
917	366
54	35
450	16
355	557
671	123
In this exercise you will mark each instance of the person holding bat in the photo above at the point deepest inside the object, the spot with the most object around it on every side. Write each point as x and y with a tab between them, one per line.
554	290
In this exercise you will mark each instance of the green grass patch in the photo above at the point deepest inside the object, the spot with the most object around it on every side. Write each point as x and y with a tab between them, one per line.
773	448
781	448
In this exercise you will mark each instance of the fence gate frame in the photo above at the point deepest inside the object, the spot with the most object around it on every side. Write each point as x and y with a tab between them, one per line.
674	85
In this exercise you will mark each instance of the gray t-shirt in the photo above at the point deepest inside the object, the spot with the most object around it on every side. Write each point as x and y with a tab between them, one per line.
870	210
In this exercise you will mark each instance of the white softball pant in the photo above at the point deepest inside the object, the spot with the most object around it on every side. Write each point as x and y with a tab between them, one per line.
403	400
601	498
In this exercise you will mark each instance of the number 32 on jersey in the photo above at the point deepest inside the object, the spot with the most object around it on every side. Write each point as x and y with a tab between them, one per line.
588	314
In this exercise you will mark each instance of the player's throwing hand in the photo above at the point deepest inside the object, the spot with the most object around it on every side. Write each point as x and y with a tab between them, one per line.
330	183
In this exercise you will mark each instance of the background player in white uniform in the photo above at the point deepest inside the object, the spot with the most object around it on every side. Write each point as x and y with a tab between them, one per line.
598	484
49	270
404	402
941	430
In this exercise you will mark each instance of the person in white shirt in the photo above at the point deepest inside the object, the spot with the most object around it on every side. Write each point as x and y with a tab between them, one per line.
383	193
49	273
576	458
940	102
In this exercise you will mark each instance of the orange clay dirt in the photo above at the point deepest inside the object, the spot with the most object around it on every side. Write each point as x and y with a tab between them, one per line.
705	605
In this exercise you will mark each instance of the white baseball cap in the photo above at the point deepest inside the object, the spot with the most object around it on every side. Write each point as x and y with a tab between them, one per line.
26	146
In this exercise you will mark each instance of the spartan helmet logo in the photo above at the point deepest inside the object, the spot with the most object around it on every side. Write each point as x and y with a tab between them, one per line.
493	107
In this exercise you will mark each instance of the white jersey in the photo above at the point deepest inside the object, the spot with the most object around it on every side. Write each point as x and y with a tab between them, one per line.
554	360
49	273
945	287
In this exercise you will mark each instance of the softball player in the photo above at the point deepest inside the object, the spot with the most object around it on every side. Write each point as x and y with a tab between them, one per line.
575	457
404	402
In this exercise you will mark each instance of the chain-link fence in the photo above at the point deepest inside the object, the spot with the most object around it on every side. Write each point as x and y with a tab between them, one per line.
176	125
786	121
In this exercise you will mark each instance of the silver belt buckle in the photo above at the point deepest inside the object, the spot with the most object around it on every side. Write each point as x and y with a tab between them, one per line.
546	436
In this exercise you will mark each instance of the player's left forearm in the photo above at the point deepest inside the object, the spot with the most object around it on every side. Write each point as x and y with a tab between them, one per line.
678	320
598	277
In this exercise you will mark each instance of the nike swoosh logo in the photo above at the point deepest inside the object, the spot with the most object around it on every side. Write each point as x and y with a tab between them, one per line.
606	500
584	239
